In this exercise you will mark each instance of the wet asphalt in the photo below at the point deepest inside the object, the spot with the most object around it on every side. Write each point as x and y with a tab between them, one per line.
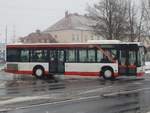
74	94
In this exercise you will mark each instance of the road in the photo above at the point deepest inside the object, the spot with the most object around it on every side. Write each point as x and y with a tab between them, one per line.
75	95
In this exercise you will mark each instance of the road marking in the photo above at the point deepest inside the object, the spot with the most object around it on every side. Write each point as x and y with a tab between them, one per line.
124	92
60	102
94	90
137	83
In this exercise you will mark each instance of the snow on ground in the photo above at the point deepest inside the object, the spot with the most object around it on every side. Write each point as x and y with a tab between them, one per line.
26	99
147	67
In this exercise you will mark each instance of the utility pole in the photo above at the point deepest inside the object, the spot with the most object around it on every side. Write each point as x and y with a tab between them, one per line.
14	34
6	35
5	41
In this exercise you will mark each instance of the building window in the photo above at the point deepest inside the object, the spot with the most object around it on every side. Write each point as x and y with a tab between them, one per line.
27	41
73	37
86	38
78	38
55	36
92	37
42	41
47	41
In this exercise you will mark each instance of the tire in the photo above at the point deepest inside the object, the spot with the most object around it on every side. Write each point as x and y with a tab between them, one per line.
38	72
107	74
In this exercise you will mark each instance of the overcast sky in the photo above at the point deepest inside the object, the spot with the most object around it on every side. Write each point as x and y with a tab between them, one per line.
25	16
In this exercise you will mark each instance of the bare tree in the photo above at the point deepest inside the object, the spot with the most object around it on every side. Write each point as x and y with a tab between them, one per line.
132	23
141	29
110	17
120	19
146	16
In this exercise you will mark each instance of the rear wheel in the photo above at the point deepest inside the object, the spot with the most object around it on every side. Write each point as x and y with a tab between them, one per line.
107	74
38	72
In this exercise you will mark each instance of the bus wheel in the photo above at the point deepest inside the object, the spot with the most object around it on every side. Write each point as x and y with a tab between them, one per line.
107	74
38	72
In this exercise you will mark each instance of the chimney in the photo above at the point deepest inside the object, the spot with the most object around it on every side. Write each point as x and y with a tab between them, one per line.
66	14
76	14
38	31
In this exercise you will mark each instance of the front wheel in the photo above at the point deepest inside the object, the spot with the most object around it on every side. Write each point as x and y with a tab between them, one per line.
38	72
107	74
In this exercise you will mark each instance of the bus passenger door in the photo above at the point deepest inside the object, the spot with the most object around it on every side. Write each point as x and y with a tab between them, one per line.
132	62
127	62
52	61
61	61
56	61
123	68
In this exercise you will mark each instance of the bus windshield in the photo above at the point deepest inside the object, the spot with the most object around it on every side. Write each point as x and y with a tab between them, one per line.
141	57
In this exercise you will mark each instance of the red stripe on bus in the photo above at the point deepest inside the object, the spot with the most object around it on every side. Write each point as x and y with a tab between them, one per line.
116	74
140	73
122	66
66	73
82	73
131	66
86	73
18	72
21	72
125	66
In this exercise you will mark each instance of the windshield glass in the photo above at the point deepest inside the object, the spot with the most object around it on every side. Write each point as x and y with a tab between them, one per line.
141	56
132	57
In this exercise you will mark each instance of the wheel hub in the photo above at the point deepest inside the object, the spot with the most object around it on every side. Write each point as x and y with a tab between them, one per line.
108	74
39	72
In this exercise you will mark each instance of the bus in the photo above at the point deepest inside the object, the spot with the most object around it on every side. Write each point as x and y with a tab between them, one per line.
106	58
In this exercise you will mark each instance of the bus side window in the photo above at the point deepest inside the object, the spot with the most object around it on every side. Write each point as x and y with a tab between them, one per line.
13	55
71	55
91	55
24	55
99	56
83	55
37	55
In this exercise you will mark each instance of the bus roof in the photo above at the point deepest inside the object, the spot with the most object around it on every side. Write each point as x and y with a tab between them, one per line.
86	43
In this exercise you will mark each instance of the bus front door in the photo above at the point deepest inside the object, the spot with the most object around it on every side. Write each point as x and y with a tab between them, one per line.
56	61
127	61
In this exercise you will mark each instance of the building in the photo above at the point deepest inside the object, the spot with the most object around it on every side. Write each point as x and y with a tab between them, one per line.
73	28
38	37
2	52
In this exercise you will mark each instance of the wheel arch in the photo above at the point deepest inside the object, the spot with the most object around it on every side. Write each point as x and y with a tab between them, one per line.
107	67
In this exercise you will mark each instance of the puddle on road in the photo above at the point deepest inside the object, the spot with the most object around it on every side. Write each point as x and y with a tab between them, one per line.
21	85
28	85
135	102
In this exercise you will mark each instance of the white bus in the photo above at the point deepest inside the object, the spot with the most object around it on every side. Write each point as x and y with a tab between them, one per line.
106	58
